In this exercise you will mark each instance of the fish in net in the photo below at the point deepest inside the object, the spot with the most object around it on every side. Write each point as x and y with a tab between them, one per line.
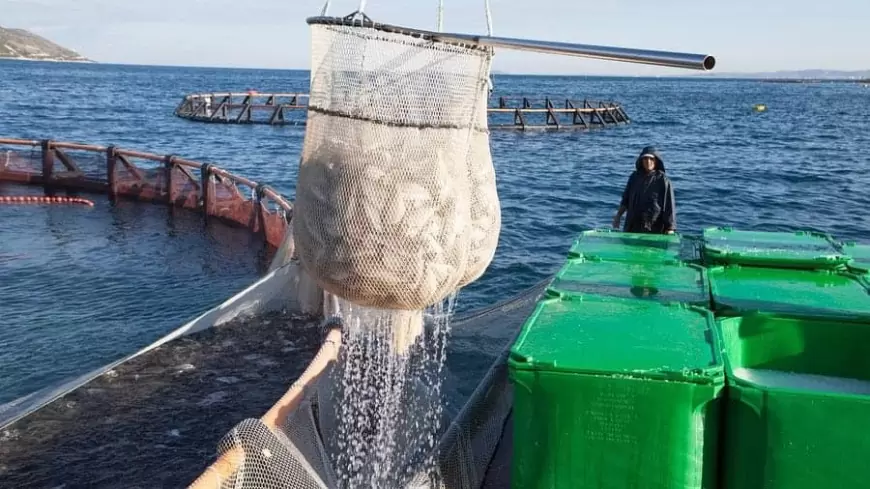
394	159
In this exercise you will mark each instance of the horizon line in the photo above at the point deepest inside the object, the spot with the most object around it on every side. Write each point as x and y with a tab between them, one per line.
689	73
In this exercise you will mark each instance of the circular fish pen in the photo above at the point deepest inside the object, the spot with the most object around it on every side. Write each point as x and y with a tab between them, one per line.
87	279
508	113
60	166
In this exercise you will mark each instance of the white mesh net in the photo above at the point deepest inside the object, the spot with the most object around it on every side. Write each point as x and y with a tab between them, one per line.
383	215
484	209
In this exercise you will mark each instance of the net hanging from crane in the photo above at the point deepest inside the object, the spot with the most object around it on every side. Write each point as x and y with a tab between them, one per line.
395	182
396	209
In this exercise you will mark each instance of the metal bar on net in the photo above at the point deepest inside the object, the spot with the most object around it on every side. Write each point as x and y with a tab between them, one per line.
628	55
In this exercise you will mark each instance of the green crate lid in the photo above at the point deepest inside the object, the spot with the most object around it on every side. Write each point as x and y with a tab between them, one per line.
860	254
820	293
777	249
630	247
659	282
620	338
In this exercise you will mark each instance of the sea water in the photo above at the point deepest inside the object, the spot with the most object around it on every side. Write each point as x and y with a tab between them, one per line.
784	169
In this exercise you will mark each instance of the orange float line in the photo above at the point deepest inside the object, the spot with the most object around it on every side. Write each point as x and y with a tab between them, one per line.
42	199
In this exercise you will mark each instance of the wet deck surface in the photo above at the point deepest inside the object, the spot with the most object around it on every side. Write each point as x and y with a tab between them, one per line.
156	421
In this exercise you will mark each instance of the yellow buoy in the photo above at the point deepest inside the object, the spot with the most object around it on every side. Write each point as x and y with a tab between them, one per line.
759	107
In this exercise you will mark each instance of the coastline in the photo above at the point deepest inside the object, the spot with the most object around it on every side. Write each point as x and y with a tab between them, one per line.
49	60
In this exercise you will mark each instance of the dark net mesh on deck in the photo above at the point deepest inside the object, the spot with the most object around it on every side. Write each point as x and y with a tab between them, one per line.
471	453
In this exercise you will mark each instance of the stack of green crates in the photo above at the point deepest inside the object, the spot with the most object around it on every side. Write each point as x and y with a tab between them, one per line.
795	324
618	373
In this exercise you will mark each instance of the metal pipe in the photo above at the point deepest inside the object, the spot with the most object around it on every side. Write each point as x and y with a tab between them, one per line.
628	55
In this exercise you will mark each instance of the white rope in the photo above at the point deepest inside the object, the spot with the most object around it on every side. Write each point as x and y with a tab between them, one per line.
488	10
488	18
325	11
439	22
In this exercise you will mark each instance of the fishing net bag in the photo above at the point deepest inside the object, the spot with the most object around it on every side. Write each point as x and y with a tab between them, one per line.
387	203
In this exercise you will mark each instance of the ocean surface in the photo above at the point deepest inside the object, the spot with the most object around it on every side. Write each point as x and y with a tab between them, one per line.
80	288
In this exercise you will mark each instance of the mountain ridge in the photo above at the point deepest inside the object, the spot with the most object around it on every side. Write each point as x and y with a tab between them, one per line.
807	74
23	44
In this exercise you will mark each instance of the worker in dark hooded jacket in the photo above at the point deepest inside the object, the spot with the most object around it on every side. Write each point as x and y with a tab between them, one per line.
648	198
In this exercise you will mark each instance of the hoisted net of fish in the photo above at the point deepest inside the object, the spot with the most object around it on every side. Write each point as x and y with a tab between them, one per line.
396	208
395	201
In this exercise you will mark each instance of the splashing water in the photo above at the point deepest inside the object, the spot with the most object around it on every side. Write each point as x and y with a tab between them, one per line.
388	395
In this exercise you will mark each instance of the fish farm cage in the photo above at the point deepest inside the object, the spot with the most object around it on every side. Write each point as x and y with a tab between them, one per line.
69	167
510	113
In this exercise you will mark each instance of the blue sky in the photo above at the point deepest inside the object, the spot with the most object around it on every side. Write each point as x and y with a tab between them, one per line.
744	35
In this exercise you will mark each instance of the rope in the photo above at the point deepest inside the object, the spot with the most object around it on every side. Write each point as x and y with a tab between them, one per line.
325	11
439	22
29	199
488	18
489	30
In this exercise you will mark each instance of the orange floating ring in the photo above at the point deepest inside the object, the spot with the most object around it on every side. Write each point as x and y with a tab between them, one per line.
39	199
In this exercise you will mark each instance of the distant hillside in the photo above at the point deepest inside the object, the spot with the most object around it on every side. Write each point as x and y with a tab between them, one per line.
21	44
797	75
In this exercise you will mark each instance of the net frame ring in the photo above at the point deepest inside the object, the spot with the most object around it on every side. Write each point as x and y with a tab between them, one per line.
360	19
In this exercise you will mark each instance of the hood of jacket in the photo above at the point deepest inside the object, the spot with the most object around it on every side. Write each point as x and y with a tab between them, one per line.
650	150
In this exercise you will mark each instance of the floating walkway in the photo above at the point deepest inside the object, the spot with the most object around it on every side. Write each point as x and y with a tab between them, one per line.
517	113
166	179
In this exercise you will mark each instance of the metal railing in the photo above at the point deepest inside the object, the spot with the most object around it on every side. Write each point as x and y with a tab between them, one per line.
518	113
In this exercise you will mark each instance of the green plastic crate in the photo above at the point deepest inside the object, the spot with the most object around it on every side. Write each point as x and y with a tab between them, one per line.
627	247
616	394
738	290
659	282
786	427
772	249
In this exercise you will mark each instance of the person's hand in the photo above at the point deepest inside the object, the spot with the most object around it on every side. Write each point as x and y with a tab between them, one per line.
615	223
669	231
